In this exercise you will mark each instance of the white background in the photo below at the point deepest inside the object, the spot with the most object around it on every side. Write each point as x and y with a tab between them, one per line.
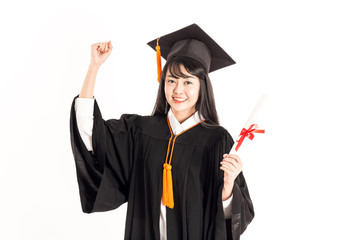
302	174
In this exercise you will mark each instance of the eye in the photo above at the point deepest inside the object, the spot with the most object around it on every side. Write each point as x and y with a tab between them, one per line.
188	83
171	81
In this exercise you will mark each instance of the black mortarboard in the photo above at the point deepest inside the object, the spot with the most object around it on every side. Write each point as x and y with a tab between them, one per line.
191	42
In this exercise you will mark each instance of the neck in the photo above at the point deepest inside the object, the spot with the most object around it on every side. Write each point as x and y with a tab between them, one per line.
182	116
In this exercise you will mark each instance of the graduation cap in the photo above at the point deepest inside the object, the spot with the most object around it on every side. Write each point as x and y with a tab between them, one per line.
194	43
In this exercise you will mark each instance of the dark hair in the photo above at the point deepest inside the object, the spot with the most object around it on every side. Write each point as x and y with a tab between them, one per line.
206	101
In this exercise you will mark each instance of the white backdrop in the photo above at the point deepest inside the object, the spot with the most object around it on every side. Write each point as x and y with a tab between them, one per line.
302	174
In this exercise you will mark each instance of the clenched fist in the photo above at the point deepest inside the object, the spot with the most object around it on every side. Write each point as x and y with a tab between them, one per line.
100	52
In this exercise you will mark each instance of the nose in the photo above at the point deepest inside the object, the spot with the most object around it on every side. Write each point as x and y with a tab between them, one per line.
179	88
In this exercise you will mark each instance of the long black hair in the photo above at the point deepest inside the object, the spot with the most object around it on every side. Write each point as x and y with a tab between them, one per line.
205	104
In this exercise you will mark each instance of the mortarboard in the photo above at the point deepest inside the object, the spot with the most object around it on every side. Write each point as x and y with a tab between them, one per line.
194	43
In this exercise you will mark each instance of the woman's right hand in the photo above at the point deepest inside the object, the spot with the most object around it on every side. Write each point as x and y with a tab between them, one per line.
100	52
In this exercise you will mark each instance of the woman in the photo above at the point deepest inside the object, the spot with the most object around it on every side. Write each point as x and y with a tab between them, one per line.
171	167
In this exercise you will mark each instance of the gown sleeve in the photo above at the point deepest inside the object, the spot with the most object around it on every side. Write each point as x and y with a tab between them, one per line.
84	108
242	208
103	175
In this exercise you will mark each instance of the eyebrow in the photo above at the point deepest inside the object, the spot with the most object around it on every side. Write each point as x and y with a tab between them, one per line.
187	76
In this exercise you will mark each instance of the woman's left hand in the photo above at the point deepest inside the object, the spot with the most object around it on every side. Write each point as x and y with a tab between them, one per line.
232	167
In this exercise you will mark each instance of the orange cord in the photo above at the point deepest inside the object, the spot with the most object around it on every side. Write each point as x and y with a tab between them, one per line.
167	179
168	197
158	59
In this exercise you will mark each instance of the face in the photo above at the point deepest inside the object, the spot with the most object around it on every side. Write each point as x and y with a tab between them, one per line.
182	94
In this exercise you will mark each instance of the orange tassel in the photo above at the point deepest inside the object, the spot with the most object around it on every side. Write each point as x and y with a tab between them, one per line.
168	197
158	59
170	188
164	194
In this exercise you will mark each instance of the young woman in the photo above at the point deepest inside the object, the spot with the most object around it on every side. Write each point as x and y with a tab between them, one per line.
171	167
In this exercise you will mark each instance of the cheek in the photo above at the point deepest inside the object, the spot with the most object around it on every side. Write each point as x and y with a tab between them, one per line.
167	92
194	93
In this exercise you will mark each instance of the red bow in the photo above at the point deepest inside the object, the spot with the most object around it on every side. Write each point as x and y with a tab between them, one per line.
248	133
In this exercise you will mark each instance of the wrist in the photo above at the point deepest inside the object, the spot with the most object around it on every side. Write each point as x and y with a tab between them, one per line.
94	66
227	190
228	185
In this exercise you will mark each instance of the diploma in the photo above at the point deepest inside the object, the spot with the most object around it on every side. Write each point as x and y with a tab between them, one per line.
252	125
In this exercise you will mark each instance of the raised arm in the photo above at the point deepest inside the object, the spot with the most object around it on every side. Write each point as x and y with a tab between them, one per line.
99	53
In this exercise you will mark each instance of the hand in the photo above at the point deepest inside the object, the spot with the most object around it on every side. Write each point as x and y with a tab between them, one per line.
232	167
100	52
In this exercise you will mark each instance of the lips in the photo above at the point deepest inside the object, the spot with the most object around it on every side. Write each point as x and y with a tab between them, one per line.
179	100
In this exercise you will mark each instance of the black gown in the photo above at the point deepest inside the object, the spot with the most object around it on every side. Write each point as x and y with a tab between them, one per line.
127	166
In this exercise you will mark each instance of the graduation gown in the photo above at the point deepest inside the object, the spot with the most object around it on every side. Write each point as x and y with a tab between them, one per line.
127	166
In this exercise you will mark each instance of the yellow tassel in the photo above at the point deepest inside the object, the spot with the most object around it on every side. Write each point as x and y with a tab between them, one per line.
168	197
158	59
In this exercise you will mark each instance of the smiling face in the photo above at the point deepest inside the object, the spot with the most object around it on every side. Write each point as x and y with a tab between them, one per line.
182	93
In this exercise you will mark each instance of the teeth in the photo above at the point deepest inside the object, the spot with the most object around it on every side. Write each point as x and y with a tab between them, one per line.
180	99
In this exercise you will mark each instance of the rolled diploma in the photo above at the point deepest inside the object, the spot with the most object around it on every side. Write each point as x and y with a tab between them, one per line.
256	117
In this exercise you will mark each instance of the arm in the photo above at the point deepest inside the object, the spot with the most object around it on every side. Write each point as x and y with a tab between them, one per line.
84	105
234	185
232	166
99	53
87	90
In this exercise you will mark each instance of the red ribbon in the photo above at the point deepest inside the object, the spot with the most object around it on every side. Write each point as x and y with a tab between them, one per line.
248	133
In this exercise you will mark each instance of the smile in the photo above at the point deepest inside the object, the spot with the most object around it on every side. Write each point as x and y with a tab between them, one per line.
179	100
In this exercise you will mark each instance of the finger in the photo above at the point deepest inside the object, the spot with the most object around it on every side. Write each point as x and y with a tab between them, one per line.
99	48
236	160
106	47
231	161
234	156
229	166
233	165
102	47
231	172
227	171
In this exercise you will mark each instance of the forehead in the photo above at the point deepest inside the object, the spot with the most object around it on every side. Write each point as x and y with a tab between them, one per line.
179	71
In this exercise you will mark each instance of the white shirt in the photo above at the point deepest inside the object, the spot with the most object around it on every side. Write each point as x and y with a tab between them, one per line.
84	108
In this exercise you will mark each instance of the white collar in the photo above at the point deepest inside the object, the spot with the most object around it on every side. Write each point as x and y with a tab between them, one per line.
191	121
